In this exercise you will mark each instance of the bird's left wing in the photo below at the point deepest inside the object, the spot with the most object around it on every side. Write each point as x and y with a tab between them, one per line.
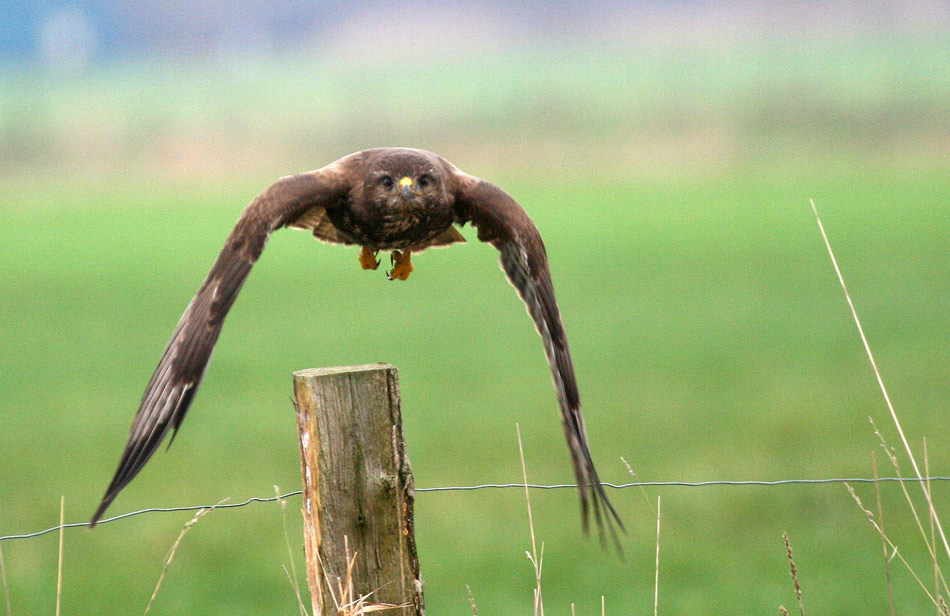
505	225
172	386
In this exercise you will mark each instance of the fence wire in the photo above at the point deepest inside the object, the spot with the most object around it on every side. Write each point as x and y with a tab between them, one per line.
489	486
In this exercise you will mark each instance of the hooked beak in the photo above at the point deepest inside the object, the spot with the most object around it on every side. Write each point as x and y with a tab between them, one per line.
405	186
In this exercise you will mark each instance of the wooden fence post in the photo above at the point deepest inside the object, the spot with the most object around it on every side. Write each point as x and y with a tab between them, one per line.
357	490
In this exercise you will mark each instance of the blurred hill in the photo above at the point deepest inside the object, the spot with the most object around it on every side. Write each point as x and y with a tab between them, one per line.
178	88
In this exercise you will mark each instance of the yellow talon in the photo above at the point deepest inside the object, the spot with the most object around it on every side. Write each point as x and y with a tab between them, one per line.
402	266
368	258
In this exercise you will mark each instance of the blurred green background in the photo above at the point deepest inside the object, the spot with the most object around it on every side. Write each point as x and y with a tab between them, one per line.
666	150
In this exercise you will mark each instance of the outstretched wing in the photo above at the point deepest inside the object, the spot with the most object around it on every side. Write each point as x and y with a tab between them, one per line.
504	224
176	379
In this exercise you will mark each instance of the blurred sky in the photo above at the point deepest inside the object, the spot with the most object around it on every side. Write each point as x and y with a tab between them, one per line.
61	33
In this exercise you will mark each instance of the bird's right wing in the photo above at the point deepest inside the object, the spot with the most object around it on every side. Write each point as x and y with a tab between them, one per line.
176	379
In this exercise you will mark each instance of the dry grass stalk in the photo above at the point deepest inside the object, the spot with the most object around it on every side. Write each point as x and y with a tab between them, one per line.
880	521
471	600
880	381
656	579
642	490
931	546
910	501
292	573
893	547
346	601
791	564
932	543
782	610
534	556
656	512
3	580
174	549
59	568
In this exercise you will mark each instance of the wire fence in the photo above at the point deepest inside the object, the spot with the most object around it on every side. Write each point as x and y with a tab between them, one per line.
489	486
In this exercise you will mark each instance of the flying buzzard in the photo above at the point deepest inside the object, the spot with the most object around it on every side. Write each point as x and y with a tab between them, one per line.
392	199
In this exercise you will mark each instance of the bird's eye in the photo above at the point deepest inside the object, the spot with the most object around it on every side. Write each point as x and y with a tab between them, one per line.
387	182
424	181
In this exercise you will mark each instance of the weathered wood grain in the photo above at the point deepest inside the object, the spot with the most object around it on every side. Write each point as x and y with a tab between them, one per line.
358	489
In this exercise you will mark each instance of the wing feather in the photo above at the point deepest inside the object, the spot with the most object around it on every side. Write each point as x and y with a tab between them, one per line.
316	220
504	224
182	366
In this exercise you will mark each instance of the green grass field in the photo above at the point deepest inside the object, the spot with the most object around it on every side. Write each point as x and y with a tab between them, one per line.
710	336
711	342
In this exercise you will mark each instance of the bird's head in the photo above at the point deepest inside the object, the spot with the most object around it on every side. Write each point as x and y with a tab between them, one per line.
406	181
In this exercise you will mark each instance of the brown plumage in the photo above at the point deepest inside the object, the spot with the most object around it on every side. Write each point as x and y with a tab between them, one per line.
394	199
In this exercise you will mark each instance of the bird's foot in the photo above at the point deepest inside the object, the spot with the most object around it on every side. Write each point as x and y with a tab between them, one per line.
402	266
368	258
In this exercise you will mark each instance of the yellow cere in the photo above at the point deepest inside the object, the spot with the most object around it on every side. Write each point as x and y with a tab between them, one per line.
406	181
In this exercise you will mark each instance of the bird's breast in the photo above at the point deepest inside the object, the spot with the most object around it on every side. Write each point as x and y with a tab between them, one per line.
391	226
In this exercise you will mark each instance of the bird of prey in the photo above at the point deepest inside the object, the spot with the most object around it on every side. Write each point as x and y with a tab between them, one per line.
386	199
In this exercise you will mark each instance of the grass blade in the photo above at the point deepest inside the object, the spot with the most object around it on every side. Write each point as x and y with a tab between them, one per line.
59	568
877	375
